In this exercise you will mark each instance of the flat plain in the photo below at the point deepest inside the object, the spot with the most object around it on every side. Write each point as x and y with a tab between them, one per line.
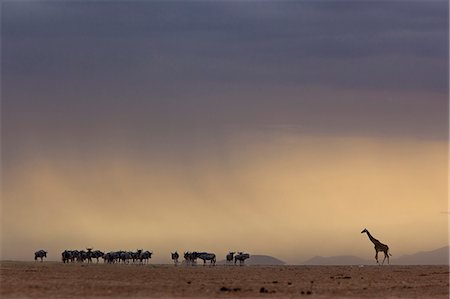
58	280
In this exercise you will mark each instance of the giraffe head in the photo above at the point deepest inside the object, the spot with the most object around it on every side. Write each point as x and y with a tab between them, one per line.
364	231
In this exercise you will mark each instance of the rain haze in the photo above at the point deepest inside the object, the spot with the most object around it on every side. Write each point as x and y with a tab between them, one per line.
279	128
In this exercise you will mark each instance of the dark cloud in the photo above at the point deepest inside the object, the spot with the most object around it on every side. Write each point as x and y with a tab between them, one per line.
86	68
210	40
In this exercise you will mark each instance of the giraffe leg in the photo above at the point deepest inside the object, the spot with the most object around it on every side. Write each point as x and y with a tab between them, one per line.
384	259
376	256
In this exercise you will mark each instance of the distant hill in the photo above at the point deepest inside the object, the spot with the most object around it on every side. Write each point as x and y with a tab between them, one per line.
260	260
336	260
264	260
434	257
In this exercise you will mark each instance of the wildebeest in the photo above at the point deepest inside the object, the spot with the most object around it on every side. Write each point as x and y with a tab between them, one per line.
89	255
136	255
125	256
145	256
241	257
190	258
67	256
230	257
205	256
40	254
97	254
111	257
74	255
107	257
175	257
81	256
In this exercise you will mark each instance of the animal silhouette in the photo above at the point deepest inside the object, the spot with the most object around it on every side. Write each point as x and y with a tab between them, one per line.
378	247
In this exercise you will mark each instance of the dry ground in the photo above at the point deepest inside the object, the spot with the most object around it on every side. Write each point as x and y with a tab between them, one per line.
57	280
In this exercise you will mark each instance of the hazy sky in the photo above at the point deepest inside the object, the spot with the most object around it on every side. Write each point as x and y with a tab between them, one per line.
274	127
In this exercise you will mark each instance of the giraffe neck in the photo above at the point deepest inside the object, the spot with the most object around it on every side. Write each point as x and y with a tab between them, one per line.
374	241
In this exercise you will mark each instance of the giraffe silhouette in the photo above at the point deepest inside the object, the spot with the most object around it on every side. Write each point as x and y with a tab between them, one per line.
378	247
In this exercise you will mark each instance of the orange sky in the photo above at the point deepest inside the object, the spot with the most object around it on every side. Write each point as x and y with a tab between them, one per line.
274	194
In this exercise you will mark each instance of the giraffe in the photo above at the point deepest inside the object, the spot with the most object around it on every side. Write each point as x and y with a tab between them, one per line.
378	247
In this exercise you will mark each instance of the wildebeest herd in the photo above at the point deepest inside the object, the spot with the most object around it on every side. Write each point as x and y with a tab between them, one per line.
140	257
111	257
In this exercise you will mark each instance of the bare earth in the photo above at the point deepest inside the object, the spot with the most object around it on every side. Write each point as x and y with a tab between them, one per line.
57	280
